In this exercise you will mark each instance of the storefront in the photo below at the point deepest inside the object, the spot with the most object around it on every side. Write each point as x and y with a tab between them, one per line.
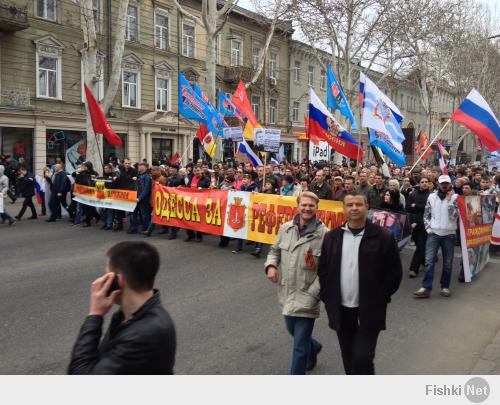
161	148
17	142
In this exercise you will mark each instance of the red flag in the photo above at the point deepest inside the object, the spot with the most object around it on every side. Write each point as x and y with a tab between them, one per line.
175	158
240	100
99	123
312	137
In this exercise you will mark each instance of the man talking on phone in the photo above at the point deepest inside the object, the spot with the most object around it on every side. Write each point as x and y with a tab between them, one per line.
141	336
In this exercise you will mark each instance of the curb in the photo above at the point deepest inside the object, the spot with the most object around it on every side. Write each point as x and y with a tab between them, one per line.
489	361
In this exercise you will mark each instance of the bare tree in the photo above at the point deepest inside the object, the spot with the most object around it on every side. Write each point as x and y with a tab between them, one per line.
212	20
91	72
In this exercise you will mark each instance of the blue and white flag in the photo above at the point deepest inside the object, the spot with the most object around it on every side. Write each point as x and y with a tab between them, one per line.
378	114
245	148
395	110
217	118
336	99
191	105
392	150
227	107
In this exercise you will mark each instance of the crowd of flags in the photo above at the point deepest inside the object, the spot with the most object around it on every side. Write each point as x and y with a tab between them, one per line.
380	116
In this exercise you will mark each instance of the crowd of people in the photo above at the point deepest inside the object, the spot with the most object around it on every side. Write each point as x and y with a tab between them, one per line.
309	263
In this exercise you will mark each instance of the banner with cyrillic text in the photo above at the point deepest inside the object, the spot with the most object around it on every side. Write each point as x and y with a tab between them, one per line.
235	214
476	223
101	197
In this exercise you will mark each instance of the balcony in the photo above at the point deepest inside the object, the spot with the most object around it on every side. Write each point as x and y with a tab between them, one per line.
12	18
233	74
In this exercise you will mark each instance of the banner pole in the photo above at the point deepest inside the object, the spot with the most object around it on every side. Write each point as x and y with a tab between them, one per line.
264	177
426	149
99	149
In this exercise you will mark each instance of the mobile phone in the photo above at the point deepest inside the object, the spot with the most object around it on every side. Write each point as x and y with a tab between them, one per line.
114	285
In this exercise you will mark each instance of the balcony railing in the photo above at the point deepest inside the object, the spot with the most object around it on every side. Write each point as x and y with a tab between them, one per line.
13	18
233	74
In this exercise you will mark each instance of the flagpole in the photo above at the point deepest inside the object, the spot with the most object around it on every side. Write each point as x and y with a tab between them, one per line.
99	149
264	177
428	147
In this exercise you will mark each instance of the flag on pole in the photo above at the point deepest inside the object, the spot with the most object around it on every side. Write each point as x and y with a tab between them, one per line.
207	140
475	114
99	123
388	147
240	100
362	86
227	107
175	158
323	125
442	163
336	99
246	150
378	113
217	118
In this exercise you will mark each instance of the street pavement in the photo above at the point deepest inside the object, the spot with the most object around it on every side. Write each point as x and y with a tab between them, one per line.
226	312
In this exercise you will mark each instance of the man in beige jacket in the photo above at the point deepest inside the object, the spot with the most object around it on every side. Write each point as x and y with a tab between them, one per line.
292	263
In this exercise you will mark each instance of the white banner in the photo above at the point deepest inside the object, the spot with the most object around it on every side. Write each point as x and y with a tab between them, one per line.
234	134
269	138
1	203
319	152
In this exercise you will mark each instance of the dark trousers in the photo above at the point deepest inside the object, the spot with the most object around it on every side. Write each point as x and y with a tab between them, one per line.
357	347
90	212
192	234
419	236
55	205
28	202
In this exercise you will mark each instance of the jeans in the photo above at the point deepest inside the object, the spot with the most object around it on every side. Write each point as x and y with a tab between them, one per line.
78	214
447	244
303	343
108	215
6	216
144	209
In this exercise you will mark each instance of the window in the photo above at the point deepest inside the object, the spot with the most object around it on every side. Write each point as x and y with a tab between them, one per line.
273	64
161	29
273	111
188	40
100	79
46	9
295	111
256	56
96	11
130	89
48	77
323	80
162	94
236	52
256	106
297	71
310	75
131	28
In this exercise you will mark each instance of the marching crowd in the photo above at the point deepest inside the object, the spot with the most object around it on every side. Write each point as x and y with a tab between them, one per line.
309	263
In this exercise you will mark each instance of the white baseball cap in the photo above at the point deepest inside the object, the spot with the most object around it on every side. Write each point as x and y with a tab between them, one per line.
444	178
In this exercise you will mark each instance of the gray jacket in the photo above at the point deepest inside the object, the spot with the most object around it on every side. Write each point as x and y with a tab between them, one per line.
296	258
4	182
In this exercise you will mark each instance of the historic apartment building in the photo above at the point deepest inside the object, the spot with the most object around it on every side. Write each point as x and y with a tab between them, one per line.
42	115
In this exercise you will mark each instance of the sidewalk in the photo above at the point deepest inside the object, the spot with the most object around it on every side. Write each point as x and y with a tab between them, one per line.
489	360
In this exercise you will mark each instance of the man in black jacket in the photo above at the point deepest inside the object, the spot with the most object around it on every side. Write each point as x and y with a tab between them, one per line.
359	269
141	336
59	187
415	206
26	187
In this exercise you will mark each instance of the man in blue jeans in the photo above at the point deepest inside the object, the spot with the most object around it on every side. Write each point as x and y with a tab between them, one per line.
292	263
440	220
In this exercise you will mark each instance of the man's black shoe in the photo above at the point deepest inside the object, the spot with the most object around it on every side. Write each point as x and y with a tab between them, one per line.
188	239
313	359
172	237
50	220
33	218
131	231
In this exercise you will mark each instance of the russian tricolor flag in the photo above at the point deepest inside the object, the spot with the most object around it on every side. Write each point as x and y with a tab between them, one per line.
475	114
245	148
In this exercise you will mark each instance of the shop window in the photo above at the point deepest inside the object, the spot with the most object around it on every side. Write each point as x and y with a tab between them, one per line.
17	142
115	151
70	147
161	148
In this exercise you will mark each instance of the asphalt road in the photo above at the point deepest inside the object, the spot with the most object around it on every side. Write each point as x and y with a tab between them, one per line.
226	312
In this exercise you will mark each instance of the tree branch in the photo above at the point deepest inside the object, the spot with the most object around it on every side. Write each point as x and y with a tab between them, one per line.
188	14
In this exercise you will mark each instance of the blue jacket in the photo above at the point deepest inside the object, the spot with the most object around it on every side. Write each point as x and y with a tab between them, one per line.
144	182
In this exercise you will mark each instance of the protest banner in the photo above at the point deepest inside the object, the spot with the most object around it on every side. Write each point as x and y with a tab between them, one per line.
476	224
395	221
102	197
234	134
1	203
236	214
268	138
319	152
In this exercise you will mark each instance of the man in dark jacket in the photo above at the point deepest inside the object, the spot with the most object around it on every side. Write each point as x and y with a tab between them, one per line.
26	187
59	187
143	208
198	180
320	186
415	206
141	336
126	180
359	269
376	193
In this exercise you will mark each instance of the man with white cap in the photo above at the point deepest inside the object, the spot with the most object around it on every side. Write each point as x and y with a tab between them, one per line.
440	220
